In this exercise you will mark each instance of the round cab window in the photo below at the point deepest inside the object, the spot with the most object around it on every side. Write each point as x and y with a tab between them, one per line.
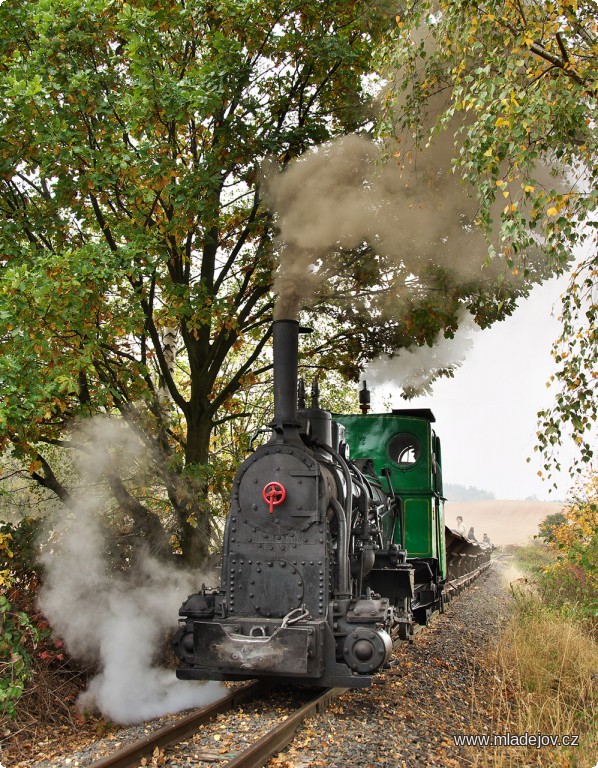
404	449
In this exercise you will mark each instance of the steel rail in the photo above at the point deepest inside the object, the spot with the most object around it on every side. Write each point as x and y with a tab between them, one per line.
258	753
131	754
254	756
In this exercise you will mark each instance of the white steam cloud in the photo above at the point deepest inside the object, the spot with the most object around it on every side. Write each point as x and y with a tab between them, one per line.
120	620
414	370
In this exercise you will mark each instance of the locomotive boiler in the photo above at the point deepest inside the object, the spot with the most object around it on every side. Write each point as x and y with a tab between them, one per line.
327	558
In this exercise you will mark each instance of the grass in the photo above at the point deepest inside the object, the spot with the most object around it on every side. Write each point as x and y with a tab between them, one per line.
545	682
533	558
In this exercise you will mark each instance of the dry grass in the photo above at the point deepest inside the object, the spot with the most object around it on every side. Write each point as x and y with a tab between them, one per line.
46	714
545	682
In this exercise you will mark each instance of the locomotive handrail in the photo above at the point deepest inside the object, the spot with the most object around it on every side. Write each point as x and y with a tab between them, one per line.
303	614
399	509
256	434
363	479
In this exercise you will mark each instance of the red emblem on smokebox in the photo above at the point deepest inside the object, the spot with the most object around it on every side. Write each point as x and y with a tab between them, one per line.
274	494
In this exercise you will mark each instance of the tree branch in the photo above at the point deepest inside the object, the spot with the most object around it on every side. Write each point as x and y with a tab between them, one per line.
50	481
146	523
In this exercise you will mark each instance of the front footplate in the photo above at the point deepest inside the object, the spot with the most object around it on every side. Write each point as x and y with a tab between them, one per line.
220	651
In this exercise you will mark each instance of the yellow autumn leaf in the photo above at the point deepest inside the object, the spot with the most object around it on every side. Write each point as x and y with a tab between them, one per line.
529	188
552	211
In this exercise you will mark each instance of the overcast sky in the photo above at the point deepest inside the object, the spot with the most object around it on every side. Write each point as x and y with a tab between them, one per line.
486	417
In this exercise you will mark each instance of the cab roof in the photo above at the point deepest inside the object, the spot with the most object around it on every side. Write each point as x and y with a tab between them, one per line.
418	413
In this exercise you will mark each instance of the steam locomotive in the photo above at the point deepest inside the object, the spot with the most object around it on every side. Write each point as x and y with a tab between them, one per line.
335	544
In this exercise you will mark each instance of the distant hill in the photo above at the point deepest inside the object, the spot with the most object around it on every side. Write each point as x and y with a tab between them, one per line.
454	492
505	522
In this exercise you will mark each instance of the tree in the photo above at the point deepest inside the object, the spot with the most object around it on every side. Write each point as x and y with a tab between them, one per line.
515	82
137	249
576	355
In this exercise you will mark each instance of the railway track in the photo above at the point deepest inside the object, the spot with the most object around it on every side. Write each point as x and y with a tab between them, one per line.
256	754
253	756
454	587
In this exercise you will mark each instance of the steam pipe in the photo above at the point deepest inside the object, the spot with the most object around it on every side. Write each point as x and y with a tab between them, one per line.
344	516
342	583
364	398
348	500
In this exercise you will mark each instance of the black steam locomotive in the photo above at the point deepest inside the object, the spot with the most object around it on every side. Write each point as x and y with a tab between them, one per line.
327	559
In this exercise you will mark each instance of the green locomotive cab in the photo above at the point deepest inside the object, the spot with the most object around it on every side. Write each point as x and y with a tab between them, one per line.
403	448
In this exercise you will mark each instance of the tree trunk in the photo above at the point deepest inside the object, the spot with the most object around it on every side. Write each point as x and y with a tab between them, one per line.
195	536
194	512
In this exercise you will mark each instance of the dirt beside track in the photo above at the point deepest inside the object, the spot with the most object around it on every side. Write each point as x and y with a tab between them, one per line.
437	688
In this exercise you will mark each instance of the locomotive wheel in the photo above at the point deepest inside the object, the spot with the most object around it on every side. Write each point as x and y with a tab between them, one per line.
406	631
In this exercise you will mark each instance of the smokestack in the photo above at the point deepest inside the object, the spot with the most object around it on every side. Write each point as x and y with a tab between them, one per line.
286	355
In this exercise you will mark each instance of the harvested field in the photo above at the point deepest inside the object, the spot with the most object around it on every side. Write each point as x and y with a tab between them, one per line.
505	522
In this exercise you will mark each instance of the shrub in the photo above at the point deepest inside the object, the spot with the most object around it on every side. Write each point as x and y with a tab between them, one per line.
20	633
573	579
